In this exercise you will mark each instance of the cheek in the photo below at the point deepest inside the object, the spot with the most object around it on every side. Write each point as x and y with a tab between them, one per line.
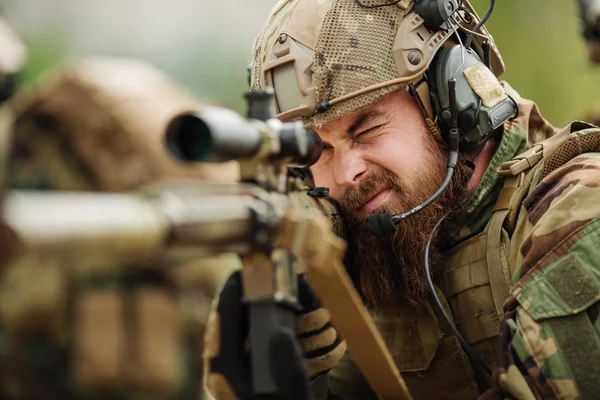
401	154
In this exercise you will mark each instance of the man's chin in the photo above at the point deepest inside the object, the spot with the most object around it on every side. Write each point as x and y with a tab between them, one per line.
384	209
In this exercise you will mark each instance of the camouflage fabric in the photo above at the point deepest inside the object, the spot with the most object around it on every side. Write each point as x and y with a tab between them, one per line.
548	343
344	54
550	334
519	134
98	124
70	331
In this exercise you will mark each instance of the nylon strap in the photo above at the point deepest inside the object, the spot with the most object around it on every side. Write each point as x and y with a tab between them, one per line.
503	201
581	351
480	326
499	283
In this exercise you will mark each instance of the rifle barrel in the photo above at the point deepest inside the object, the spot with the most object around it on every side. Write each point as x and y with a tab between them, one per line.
131	226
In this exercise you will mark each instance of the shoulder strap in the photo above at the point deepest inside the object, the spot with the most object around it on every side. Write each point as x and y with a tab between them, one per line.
498	271
529	158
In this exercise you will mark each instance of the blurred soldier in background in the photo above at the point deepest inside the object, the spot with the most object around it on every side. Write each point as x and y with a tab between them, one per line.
12	58
589	15
72	331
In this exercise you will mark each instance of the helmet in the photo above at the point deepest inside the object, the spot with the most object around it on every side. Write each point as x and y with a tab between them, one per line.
328	58
97	124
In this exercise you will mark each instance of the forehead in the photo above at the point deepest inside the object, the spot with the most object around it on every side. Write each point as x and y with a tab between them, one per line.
387	107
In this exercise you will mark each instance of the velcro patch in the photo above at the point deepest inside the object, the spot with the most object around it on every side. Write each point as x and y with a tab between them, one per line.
563	288
484	83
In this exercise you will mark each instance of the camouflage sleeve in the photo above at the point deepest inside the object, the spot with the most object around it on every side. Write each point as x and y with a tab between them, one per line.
549	344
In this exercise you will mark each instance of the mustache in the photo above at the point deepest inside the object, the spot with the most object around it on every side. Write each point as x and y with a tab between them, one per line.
352	199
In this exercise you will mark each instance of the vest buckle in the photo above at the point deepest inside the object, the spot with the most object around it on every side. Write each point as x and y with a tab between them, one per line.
522	162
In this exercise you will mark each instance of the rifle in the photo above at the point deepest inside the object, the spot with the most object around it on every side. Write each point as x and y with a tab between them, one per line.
260	219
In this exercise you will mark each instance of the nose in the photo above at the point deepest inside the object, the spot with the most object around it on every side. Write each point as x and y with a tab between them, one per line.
349	167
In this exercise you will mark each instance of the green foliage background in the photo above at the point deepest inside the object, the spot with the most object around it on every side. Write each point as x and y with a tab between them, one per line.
544	53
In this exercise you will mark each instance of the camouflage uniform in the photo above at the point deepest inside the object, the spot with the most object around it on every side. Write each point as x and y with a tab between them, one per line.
549	247
12	58
73	331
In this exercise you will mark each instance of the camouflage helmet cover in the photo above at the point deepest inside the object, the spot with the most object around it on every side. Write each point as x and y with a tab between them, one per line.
98	123
346	55
13	53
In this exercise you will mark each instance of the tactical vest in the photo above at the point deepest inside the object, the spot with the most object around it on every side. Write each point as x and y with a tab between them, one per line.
477	277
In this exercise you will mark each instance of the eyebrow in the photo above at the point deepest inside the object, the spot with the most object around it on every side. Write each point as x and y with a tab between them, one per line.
362	120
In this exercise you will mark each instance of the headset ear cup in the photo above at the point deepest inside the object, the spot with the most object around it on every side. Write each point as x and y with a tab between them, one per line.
466	119
477	118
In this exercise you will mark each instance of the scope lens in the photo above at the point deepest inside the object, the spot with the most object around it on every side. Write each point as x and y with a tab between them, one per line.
188	138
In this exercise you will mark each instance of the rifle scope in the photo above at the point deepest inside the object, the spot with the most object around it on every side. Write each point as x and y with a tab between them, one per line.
220	135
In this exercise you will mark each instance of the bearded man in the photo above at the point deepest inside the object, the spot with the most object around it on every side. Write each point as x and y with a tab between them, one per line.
391	87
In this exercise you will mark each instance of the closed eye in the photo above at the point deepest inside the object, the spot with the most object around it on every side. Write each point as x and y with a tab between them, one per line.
370	130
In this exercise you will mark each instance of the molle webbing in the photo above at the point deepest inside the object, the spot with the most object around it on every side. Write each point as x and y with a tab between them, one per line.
575	145
571	141
478	275
466	285
497	242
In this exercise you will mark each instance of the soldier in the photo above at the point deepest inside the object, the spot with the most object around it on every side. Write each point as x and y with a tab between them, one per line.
12	59
589	16
75	331
404	95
